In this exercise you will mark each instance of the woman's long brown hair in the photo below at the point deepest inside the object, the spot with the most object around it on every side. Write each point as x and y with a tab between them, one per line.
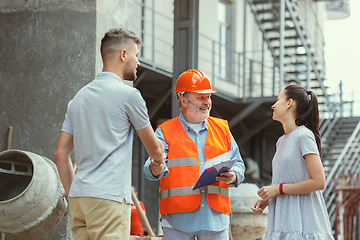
307	111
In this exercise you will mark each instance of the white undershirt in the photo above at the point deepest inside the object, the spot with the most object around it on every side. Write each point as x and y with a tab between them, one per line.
195	126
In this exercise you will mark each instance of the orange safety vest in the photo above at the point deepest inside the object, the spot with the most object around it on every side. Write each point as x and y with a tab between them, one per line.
176	194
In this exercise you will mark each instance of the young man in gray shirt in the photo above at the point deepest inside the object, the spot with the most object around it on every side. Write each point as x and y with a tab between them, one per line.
99	126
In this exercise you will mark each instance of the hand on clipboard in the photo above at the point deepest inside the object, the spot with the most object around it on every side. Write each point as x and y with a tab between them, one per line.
214	168
226	177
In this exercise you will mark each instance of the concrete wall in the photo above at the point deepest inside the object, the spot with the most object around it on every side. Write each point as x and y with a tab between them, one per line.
47	53
49	49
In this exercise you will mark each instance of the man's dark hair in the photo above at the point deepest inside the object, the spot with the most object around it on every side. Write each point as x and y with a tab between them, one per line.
116	38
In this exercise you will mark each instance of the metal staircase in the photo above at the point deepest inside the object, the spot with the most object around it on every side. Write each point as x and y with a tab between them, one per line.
341	159
298	47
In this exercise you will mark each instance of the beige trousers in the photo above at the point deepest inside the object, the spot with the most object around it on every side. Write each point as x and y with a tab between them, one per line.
99	219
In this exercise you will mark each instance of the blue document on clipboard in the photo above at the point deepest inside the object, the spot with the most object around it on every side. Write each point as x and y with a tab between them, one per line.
213	167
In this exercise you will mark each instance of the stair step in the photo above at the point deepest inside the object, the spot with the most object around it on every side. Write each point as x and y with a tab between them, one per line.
327	152
304	54
319	70
327	169
304	80
347	125
338	140
350	119
271	20
329	148
286	38
333	148
277	29
318	87
330	162
295	72
297	55
328	165
263	1
295	63
341	134
331	157
315	79
345	128
296	36
291	81
291	46
256	2
269	10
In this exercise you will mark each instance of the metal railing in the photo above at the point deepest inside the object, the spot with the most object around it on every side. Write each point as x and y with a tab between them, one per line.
341	104
315	37
240	77
347	163
156	28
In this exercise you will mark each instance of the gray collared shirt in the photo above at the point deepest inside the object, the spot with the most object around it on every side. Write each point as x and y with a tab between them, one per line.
102	117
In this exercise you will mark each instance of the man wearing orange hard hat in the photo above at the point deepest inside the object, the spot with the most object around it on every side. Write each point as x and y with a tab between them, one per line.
189	141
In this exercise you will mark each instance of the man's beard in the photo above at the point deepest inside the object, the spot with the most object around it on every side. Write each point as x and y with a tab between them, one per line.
197	115
129	75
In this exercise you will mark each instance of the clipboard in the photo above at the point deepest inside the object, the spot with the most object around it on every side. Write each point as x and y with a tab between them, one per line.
213	167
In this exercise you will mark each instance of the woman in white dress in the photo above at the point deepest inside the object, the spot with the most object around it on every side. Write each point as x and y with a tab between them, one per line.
296	205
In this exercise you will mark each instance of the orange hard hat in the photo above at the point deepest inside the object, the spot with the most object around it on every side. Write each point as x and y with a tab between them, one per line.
193	80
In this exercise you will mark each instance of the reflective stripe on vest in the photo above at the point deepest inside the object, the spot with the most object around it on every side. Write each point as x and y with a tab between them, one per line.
181	162
173	192
218	190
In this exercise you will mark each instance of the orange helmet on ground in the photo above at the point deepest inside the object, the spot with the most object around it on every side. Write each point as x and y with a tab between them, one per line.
193	80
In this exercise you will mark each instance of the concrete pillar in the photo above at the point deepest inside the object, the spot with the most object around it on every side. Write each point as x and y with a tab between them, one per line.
186	34
49	49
